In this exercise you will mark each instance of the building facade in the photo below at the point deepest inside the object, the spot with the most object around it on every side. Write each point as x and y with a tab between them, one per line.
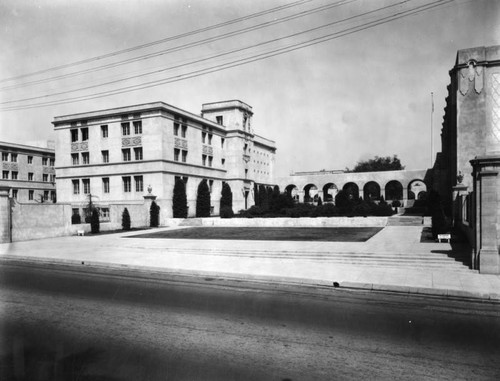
28	172
121	155
467	170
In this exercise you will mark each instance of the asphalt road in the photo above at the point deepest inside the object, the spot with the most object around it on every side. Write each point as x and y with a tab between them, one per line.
71	325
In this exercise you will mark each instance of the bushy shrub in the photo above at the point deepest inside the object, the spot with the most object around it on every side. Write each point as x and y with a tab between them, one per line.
76	219
94	221
226	202
125	220
363	209
300	210
396	204
203	200
179	200
154	215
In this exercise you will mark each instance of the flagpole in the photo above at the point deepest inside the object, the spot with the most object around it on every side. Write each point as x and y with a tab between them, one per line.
432	114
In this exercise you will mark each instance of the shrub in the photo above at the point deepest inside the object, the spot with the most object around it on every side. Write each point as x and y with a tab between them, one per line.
179	200
76	219
154	215
203	200
125	220
396	204
226	202
94	221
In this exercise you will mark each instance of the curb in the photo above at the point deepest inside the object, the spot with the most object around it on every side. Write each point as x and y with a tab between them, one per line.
424	291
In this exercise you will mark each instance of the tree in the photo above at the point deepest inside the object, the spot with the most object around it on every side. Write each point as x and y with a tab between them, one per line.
125	220
154	215
94	221
263	200
226	202
256	194
378	164
203	200
179	201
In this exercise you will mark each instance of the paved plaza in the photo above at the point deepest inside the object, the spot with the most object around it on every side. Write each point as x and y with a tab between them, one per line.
395	259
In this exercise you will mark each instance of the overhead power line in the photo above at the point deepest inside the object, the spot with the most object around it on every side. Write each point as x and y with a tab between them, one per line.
186	45
163	40
240	62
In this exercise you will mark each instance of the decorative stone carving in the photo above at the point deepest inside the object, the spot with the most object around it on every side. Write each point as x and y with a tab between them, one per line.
76	147
10	166
207	150
180	143
469	74
131	142
48	170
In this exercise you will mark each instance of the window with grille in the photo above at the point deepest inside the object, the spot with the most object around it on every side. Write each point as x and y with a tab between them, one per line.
127	184
139	184
138	153
105	184
86	186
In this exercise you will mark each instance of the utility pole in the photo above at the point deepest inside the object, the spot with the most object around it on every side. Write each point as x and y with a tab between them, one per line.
432	114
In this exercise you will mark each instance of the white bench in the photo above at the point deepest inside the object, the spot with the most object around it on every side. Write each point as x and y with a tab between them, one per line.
445	237
80	232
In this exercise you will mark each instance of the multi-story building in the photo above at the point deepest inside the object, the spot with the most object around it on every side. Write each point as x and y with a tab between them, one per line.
120	155
28	172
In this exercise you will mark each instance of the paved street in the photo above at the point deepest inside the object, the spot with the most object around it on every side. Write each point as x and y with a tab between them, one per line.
59	325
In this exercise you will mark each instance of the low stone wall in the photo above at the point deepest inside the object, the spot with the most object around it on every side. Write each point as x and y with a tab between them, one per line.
282	222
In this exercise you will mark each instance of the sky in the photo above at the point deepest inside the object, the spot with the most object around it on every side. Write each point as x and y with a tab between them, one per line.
364	92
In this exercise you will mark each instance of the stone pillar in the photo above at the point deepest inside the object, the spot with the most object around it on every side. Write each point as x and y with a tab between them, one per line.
301	194
148	200
5	216
487	207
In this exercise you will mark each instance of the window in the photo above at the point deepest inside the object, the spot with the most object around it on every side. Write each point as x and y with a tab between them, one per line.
45	195
176	154
126	154
85	158
14	193
74	135
138	153
13	157
221	142
5	175
74	159
85	134
210	139
176	128
52	178
105	156
53	196
223	162
45	177
52	162
204	159
14	175
184	156
30	176
30	195
139	184
138	127
45	161
104	131
105	184
5	156
127	184
125	128
210	160
203	137
76	186
184	130
86	186
30	159
210	185
219	119
105	214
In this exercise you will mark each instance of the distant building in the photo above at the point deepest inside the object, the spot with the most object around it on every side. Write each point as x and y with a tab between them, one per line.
28	172
119	155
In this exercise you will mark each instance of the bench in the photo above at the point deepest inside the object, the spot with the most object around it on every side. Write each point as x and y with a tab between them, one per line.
80	232
445	237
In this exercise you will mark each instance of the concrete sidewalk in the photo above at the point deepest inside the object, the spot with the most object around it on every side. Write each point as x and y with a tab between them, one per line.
395	259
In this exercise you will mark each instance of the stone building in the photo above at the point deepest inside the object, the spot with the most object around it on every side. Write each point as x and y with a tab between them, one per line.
28	172
466	172
121	155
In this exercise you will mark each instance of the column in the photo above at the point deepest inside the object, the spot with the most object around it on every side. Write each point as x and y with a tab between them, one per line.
5	215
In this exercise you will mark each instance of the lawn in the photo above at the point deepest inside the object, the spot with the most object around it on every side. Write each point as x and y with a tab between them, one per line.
339	234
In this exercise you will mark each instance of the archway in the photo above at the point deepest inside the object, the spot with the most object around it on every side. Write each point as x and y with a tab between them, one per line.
393	190
292	191
352	190
329	192
371	191
310	191
417	189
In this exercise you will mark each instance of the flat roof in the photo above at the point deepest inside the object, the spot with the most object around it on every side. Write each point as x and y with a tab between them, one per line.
25	147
